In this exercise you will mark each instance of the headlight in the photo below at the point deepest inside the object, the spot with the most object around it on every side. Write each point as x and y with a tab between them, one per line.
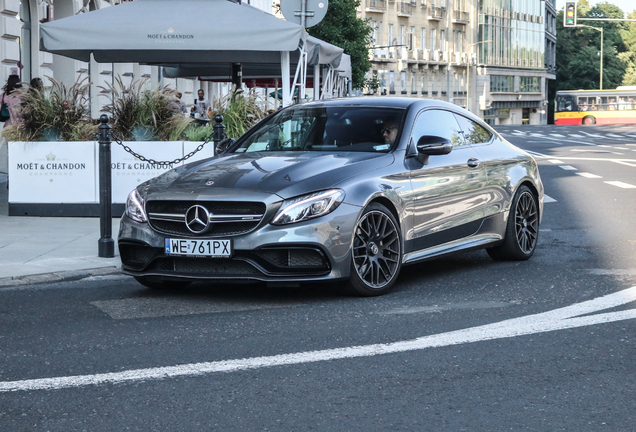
135	207
309	206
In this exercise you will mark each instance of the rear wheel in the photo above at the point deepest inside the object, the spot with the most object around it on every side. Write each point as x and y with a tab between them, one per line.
376	257
157	282
522	229
589	120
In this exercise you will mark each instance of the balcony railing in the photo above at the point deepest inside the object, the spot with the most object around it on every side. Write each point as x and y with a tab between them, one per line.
435	13
376	5
460	17
406	9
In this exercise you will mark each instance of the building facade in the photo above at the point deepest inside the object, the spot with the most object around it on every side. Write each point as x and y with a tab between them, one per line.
493	57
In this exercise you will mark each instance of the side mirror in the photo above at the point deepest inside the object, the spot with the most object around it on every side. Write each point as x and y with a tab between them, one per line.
430	145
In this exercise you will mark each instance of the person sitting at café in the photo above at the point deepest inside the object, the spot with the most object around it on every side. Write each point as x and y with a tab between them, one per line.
201	105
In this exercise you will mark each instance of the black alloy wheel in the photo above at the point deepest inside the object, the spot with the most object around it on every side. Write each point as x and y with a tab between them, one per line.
377	252
522	230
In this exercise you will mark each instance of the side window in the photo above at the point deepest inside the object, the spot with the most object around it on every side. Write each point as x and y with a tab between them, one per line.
473	133
438	123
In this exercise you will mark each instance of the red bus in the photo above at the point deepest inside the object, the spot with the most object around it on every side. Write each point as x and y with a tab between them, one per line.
596	107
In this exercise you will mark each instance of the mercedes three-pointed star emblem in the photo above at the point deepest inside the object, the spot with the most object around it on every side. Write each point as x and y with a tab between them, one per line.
197	219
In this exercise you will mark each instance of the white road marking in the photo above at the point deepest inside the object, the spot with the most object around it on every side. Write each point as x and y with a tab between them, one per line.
625	163
606	146
620	184
576	136
577	315
567	167
621	148
555	161
593	135
591	151
615	136
558	135
548	199
588	175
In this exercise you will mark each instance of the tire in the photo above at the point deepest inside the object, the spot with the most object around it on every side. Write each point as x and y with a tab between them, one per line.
522	230
376	253
159	283
589	120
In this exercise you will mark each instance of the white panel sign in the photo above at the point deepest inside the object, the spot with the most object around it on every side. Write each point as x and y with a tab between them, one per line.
206	152
128	172
52	172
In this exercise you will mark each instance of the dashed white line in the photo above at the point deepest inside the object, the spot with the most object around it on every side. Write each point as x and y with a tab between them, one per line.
577	315
555	161
588	175
567	167
624	163
548	199
620	184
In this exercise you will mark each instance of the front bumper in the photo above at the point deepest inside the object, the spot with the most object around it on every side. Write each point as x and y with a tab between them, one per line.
313	250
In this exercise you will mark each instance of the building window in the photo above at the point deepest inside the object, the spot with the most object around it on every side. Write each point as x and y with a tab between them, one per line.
501	83
423	39
390	35
433	35
529	84
442	40
402	35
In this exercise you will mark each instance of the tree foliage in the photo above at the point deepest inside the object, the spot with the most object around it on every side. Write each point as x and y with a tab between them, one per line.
578	49
342	27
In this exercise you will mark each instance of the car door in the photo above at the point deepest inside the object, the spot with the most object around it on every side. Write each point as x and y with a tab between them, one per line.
445	200
493	160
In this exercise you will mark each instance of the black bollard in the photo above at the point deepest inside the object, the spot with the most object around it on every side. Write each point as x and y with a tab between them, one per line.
106	244
218	132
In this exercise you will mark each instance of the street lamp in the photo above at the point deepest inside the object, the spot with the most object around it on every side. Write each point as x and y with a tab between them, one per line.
468	73
601	30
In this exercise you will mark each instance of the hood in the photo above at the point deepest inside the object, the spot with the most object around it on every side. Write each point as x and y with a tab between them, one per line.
286	174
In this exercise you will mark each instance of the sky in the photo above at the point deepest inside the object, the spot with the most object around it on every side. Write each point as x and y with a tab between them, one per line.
626	5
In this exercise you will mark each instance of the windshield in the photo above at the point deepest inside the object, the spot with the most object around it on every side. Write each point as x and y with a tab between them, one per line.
333	129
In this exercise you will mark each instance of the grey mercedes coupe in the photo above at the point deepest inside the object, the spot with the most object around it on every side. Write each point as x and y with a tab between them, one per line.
347	190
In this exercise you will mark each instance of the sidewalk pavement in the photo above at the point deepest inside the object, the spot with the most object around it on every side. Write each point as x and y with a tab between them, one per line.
48	249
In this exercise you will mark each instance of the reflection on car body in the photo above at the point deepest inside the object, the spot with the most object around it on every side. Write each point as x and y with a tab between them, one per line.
344	190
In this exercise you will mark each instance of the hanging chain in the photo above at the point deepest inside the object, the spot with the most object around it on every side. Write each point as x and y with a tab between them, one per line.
154	162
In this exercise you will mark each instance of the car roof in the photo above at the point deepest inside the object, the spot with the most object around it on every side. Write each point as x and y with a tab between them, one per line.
388	102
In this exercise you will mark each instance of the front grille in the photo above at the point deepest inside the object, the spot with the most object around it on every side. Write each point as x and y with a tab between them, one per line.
203	266
293	258
136	256
176	210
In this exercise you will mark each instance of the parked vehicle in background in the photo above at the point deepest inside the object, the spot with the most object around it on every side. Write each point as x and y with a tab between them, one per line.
601	107
341	190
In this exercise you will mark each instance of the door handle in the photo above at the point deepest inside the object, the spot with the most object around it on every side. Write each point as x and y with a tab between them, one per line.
473	163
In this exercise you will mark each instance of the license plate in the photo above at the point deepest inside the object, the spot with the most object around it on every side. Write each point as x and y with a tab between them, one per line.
200	248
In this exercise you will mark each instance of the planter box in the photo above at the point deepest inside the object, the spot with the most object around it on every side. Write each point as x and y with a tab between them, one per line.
62	178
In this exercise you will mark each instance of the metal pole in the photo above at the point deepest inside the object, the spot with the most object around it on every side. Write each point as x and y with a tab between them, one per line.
601	58
218	133
106	244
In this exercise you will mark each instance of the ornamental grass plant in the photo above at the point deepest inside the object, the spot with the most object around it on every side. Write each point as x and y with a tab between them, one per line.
58	114
142	114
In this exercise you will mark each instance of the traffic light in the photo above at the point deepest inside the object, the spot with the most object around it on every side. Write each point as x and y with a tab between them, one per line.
569	19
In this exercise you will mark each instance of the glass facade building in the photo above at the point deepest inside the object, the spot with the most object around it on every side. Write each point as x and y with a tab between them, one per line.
494	57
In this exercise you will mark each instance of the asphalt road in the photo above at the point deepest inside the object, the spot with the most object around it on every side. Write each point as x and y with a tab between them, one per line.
106	354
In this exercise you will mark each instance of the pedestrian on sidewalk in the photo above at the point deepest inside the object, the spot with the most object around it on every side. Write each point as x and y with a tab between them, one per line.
12	101
10	97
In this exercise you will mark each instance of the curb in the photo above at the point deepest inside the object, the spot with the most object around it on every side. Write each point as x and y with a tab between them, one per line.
63	276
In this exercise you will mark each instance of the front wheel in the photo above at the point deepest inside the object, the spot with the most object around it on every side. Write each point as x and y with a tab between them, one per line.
376	255
522	230
589	120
